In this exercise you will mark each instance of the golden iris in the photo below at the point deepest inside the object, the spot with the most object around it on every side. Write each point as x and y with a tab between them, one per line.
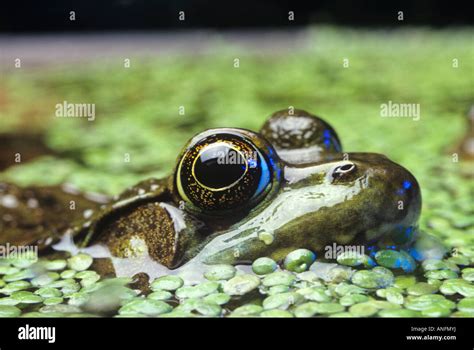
223	170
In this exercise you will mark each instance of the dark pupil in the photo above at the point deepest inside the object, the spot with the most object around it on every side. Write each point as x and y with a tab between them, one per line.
346	167
219	166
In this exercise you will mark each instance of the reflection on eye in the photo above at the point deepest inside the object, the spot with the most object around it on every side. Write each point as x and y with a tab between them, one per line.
223	171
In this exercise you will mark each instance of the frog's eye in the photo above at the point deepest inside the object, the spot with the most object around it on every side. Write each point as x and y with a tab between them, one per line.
343	170
225	169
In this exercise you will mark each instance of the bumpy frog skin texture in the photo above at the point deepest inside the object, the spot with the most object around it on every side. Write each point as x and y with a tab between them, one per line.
315	196
292	187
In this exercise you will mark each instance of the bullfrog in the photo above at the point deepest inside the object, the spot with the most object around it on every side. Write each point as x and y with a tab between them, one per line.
236	195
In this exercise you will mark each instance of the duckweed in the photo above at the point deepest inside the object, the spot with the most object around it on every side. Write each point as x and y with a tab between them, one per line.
282	301
9	301
465	289
451	286
389	258
55	265
350	258
48	292
9	311
398	313
394	297
200	306
365	309
378	277
299	260
53	301
275	290
329	308
247	310
80	262
15	286
441	274
427	302
20	275
264	266
168	283
314	294
45	279
403	282
160	295
241	284
341	315
60	308
382	304
279	278
25	297
306	310
276	313
331	273
78	298
66	274
8	270
144	306
61	293
436	311
309	276
365	279
343	289
218	298
197	291
466	305
468	274
220	272
422	288
351	299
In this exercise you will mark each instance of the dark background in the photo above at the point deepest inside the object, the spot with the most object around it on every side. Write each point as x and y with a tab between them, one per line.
91	15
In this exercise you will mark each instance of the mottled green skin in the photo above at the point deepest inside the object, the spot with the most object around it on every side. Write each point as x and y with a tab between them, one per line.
358	210
307	207
318	197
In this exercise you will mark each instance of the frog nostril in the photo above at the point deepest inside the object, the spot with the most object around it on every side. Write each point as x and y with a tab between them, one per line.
344	169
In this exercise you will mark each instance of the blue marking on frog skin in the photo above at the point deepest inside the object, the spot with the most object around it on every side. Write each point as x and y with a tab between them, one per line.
327	138
415	254
372	250
405	186
371	262
408	265
409	233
